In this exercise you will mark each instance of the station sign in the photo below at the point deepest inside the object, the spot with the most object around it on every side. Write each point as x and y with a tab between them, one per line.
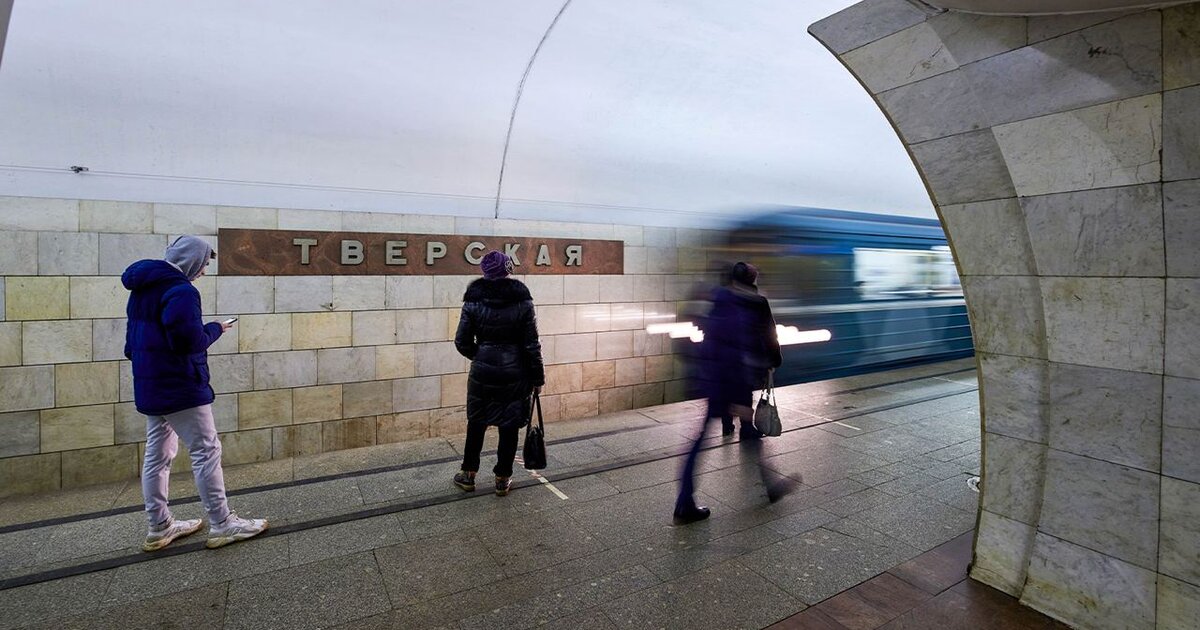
315	253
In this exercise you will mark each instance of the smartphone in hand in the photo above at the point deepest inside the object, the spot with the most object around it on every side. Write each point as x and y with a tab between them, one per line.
230	321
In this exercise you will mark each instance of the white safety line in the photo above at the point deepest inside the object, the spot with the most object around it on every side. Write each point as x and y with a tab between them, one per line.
545	482
847	426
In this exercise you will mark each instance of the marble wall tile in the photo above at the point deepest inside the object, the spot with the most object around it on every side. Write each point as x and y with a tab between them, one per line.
85	384
438	358
1181	135
32	213
264	333
414	394
1105	322
296	440
301	294
1014	471
614	345
1183	318
76	427
402	427
20	433
321	330
561	379
246	447
448	290
1181	428
989	238
454	389
56	342
579	405
316	404
359	293
556	320
598	375
408	291
420	325
475	226
310	220
593	318
428	224
1090	589
271	408
398	361
125	377
865	22
630	371
631	235
1006	314
1178	604
10	344
345	365
373	222
1002	550
247	218
662	260
616	399
575	348
27	298
581	289
964	168
98	297
658	237
245	294
1181	220
374	328
1180	530
1044	27
275	370
118	251
231	372
129	426
18	253
648	395
635	260
969	37
904	57
660	367
649	288
628	316
108	339
1105	232
1081	496
937	107
225	412
177	218
1181	47
370	398
1114	144
207	286
545	289
67	253
30	474
1013	85
1112	415
100	465
116	217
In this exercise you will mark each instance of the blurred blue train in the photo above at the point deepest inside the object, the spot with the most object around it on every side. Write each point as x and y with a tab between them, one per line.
884	287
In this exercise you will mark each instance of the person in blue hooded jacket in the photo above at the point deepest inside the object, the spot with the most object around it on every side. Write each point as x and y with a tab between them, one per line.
168	345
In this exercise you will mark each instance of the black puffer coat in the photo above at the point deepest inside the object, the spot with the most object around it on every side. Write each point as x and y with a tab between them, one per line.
497	331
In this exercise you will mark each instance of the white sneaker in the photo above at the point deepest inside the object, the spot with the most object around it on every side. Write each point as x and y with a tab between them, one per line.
234	529
158	538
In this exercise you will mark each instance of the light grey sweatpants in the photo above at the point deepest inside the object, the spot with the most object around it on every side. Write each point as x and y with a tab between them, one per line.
198	431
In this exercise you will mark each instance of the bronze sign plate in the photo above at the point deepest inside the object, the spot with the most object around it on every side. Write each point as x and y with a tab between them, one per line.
314	253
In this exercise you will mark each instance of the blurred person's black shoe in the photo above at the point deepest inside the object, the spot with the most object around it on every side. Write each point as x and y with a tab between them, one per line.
748	432
465	480
778	489
727	427
691	514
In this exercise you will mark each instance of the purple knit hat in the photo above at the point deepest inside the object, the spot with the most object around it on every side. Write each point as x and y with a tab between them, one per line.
495	265
745	273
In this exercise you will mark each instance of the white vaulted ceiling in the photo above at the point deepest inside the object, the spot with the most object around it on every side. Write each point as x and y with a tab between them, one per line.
1045	7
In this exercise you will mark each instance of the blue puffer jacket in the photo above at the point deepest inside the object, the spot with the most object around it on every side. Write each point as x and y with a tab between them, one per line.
166	340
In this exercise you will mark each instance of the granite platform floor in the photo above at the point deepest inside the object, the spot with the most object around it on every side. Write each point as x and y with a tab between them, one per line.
379	538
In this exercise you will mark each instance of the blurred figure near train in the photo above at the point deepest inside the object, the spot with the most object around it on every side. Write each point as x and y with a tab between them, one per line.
697	371
739	350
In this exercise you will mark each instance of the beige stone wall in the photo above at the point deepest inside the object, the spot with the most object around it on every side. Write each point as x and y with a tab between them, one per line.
315	363
1063	155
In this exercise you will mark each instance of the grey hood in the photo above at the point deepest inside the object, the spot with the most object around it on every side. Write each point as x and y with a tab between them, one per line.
190	254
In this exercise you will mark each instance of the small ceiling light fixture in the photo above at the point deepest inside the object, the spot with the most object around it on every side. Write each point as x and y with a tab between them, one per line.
79	169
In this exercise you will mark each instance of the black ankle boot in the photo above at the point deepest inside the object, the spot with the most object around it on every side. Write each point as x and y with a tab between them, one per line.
465	480
691	514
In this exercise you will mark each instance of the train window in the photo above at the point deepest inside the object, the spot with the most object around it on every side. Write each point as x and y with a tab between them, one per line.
894	274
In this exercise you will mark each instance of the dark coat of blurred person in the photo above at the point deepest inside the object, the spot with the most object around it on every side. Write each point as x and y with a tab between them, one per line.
497	331
741	347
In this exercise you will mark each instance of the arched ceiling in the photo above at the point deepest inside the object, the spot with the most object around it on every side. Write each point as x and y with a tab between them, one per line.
634	110
1045	7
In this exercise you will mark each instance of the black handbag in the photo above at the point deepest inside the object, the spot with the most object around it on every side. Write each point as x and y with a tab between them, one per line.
534	451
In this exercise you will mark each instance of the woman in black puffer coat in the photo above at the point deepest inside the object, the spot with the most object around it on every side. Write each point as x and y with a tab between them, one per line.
497	331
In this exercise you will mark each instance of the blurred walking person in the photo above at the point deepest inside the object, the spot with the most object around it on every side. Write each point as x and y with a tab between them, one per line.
168	345
740	347
497	331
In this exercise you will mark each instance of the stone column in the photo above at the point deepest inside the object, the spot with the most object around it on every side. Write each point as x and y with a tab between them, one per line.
1063	157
